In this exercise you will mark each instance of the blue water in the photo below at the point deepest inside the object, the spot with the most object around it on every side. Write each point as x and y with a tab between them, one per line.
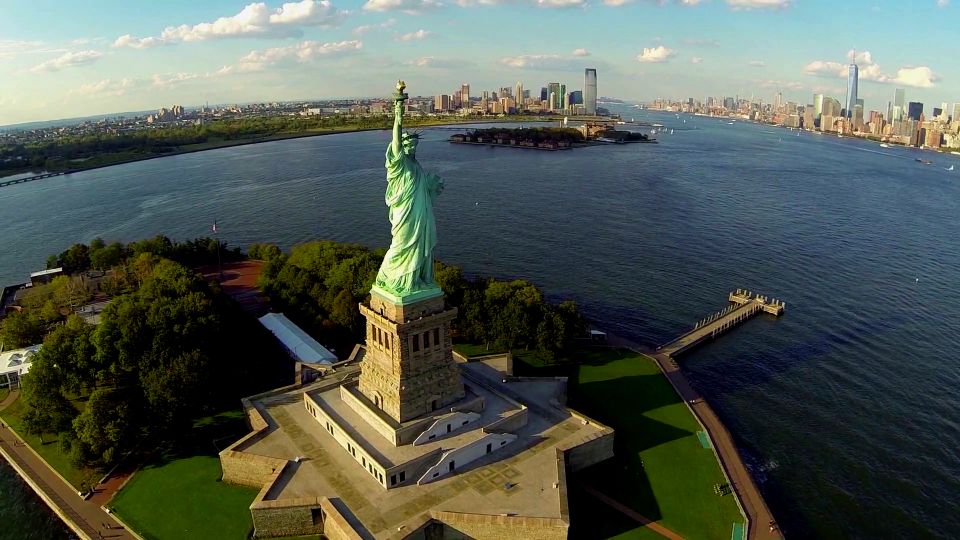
846	407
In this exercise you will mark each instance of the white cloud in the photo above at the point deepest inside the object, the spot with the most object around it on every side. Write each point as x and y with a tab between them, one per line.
437	63
790	85
943	3
414	36
166	81
618	3
915	76
581	52
561	3
67	60
308	13
544	62
758	4
127	40
301	52
10	48
696	60
254	20
656	54
757	63
106	87
407	6
366	28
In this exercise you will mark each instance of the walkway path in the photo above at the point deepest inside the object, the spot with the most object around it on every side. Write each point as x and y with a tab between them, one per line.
627	511
85	518
759	515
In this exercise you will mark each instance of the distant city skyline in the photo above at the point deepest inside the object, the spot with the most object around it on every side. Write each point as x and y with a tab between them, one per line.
63	60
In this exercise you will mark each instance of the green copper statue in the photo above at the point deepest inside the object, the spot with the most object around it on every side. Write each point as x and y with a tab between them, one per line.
407	271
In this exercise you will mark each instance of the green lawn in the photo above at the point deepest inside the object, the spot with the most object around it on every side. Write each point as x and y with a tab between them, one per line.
184	499
49	449
180	496
660	469
4	392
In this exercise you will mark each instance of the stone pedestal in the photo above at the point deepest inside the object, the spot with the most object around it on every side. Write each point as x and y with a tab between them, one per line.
408	370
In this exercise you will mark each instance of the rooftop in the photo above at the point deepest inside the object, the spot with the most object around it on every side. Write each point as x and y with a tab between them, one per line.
18	360
299	343
522	479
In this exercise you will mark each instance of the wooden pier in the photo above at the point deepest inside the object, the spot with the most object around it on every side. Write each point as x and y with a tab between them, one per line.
5	183
743	305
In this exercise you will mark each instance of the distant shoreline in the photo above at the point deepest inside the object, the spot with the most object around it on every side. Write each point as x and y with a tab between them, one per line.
257	140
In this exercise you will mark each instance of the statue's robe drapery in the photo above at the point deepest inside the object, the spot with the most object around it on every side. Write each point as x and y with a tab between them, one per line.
408	264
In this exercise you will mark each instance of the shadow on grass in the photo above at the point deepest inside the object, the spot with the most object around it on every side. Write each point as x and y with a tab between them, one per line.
591	518
209	436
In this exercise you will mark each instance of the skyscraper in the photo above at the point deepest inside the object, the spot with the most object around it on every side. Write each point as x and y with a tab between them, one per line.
465	96
544	93
898	101
518	96
553	94
817	107
561	97
852	77
590	90
956	112
914	110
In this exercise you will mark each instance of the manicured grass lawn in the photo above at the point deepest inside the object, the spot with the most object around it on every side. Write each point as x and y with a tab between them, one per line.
184	499
660	469
49	450
180	496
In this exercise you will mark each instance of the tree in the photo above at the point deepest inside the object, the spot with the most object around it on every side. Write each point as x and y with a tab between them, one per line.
106	257
106	427
48	410
21	330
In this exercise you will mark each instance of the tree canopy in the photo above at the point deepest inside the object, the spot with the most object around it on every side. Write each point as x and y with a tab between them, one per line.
319	285
169	349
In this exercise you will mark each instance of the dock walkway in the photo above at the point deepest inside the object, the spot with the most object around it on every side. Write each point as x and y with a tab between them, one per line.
5	183
743	305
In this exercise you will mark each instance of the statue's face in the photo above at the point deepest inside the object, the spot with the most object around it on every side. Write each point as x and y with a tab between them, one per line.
409	145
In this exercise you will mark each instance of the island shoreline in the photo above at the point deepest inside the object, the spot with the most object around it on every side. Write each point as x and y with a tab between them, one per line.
239	142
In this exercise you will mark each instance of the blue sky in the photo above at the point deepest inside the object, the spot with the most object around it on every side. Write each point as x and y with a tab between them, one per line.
64	59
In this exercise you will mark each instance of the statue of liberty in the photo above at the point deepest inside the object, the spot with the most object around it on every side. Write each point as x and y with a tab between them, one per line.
407	270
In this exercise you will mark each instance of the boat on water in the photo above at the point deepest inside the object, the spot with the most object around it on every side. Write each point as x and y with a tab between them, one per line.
671	132
924	161
729	123
657	125
839	135
884	145
950	168
608	140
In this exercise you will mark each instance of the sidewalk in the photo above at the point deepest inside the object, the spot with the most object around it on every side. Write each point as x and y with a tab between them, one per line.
85	518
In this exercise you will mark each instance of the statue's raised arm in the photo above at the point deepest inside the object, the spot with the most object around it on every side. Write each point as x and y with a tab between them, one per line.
399	100
407	269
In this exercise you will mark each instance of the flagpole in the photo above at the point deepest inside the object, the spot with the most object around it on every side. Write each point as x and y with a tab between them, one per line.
217	240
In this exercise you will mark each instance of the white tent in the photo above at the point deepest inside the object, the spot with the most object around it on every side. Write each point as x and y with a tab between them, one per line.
303	347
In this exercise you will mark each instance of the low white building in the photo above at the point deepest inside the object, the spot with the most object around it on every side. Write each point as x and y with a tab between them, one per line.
15	364
300	345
